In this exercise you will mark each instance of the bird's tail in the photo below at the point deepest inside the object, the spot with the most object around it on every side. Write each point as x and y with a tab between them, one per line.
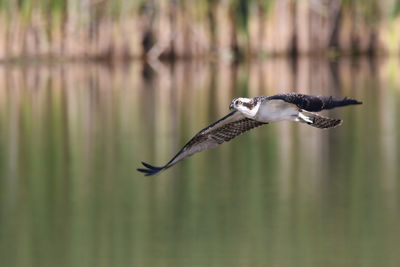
150	169
318	121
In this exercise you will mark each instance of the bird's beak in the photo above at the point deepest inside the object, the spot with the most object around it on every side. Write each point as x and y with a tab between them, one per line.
231	106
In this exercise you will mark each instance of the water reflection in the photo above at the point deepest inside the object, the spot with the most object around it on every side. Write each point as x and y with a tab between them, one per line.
282	195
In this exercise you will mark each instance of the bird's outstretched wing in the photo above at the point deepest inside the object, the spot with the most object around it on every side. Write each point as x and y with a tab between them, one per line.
314	103
223	130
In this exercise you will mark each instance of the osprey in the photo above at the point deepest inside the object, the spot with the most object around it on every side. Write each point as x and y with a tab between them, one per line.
250	113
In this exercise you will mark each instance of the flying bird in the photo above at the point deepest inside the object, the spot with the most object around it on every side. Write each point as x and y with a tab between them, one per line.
249	113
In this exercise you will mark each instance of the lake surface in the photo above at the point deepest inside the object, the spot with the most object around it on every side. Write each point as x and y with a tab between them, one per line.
285	194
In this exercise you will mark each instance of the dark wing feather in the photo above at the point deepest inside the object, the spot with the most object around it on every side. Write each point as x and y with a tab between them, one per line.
223	130
315	103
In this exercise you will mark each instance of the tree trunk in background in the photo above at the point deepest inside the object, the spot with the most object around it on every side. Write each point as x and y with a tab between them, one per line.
261	30
187	40
334	38
212	27
282	28
303	27
293	50
234	44
147	13
171	54
373	45
64	20
355	42
323	21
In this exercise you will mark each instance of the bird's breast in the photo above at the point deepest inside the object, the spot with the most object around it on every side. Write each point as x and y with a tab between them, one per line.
276	110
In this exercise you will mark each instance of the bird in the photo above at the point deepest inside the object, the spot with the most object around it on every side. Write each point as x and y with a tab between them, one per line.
250	113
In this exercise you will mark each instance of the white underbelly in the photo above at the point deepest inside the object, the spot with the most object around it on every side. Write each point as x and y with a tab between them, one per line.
277	110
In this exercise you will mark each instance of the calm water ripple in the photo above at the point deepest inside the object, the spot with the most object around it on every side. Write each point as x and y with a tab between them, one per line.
282	195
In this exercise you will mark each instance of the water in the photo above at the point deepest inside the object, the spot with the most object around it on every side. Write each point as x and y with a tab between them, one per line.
284	194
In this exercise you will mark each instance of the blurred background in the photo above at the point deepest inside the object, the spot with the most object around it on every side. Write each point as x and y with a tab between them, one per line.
89	89
122	29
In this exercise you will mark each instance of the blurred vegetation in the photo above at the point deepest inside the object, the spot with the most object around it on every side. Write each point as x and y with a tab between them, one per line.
122	29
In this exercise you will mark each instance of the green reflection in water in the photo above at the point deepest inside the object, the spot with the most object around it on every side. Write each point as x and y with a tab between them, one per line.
282	195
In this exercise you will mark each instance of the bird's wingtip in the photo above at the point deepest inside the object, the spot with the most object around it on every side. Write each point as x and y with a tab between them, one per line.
353	101
150	169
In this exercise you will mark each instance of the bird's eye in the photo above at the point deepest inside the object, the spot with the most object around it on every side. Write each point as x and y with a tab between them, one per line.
238	102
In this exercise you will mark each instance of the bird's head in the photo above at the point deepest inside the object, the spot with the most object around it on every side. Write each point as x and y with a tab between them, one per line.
247	106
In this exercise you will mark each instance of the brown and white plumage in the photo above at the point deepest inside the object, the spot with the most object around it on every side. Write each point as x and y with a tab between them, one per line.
223	130
250	113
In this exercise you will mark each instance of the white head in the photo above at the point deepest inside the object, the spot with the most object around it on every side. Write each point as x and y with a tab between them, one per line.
247	106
